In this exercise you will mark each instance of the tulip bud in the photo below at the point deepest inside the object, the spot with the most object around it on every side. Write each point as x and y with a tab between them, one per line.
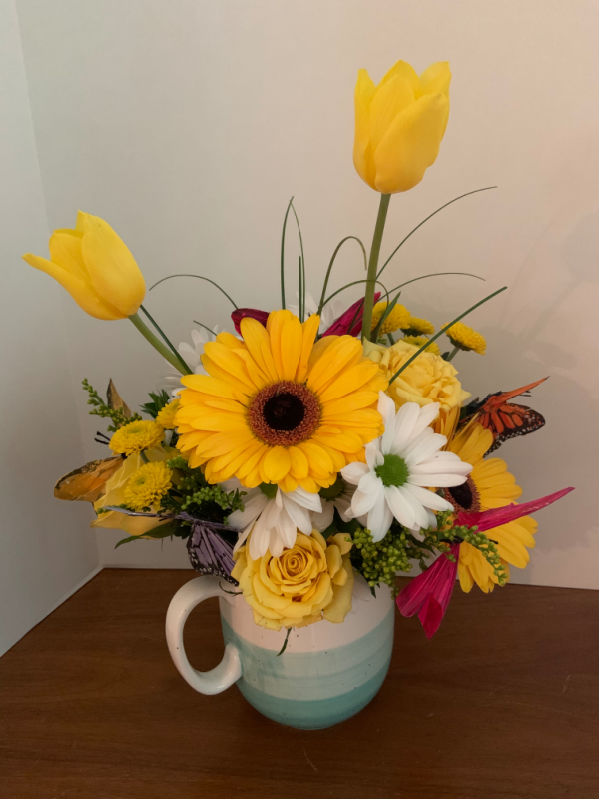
399	125
96	267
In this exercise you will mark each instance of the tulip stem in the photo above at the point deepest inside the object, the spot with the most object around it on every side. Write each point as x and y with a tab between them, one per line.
384	202
155	342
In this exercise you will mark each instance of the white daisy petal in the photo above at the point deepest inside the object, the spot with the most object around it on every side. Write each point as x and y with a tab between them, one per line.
353	472
309	500
323	519
430	499
424	446
406	419
400	506
362	503
379	519
369	483
436	479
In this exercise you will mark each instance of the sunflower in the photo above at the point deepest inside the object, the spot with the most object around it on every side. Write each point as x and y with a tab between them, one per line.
278	407
489	485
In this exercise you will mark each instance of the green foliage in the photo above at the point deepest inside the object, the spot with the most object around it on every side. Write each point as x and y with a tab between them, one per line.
156	403
100	408
194	495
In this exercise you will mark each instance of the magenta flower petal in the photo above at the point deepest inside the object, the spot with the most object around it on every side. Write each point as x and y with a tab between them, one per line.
484	520
238	315
350	321
428	595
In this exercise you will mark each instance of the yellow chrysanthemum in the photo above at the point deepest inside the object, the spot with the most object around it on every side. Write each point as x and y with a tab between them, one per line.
427	379
466	338
489	485
395	320
166	416
147	485
136	436
278	407
418	327
419	341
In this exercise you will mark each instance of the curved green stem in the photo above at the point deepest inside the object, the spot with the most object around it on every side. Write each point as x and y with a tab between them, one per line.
372	273
155	342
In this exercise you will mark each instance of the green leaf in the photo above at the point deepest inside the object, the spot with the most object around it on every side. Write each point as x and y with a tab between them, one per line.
160	532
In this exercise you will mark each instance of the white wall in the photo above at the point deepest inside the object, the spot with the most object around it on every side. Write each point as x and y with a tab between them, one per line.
189	124
45	551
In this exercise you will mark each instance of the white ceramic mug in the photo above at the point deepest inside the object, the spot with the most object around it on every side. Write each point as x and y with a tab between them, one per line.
327	673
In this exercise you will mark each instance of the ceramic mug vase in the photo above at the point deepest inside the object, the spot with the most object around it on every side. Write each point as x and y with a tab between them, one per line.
327	673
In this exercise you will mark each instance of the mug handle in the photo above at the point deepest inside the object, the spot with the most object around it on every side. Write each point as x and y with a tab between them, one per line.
184	601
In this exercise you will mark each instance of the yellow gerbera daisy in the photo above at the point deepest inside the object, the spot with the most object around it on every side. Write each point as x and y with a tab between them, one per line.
489	485
278	407
466	338
395	320
166	416
136	436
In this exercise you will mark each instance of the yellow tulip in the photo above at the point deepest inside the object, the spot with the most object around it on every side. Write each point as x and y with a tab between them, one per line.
96	267
399	125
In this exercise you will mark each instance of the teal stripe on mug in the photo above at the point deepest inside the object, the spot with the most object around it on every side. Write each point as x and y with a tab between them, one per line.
314	689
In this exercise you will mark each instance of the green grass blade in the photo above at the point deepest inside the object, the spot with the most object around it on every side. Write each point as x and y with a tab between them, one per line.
200	277
330	266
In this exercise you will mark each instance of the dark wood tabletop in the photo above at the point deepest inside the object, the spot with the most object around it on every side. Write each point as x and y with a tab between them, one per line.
501	703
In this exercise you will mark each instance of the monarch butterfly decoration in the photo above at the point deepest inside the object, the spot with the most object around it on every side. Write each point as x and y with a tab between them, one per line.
502	418
87	482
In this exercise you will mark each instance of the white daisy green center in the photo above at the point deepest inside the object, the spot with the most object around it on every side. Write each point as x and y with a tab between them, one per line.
393	471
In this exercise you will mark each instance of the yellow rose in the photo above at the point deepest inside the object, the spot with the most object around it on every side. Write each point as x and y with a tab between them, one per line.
399	125
309	581
96	267
114	494
428	379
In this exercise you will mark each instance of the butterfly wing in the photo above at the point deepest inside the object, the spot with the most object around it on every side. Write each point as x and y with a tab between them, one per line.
511	419
87	482
210	553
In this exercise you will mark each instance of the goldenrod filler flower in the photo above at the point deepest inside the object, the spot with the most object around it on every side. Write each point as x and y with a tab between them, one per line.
96	267
148	485
166	416
308	582
400	124
136	436
428	379
415	326
394	321
465	338
278	408
489	485
419	341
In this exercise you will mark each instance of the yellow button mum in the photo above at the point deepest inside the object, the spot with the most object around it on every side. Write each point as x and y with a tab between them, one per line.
419	341
394	321
278	408
428	379
466	338
308	582
147	486
400	124
95	266
166	416
136	436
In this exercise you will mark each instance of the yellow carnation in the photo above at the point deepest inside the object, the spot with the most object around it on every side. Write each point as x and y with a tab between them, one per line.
394	321
308	582
465	338
136	436
428	379
166	416
147	485
419	341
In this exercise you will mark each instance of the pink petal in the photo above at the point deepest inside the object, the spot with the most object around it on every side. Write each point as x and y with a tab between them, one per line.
428	595
484	520
342	324
238	315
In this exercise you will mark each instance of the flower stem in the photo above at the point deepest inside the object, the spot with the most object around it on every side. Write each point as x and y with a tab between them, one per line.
384	201
155	342
453	353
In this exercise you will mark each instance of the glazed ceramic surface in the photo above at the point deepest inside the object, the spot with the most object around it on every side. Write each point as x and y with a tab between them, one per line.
327	673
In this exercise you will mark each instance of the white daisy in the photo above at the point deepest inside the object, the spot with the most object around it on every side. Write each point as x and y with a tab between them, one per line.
272	518
341	498
404	460
192	355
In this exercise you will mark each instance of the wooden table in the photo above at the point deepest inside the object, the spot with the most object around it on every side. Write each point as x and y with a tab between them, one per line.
501	703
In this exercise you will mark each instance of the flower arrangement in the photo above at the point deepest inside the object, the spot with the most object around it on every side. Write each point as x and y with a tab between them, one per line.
302	450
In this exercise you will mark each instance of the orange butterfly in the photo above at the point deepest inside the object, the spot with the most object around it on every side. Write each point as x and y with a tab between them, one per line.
505	419
87	482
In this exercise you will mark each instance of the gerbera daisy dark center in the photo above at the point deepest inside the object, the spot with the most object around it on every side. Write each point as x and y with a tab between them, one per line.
285	413
464	497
